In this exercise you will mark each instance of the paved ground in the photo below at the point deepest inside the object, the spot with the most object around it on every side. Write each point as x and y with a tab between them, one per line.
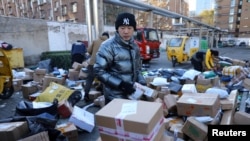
7	107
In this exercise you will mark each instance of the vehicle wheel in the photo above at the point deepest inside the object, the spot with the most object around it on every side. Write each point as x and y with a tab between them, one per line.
7	93
174	61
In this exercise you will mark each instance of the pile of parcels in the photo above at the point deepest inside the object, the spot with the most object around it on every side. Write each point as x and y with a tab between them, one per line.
55	94
173	102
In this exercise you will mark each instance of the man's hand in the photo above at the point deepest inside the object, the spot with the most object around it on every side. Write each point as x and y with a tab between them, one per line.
127	87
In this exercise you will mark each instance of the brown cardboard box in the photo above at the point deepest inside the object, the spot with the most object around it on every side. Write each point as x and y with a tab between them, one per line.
48	79
198	105
241	118
77	66
164	91
28	89
188	88
12	131
17	84
141	119
73	74
164	107
195	129
42	136
39	74
170	101
227	117
230	102
69	130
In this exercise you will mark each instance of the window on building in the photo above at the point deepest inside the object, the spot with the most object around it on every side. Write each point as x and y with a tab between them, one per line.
232	3
64	10
239	11
232	11
57	4
230	26
231	19
248	1
74	7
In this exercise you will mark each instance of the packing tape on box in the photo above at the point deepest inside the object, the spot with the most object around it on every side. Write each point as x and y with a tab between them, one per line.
131	135
129	108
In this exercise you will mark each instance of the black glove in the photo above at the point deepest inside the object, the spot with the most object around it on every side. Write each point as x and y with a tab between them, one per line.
127	87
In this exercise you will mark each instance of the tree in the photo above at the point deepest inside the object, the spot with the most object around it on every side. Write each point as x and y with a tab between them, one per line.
207	16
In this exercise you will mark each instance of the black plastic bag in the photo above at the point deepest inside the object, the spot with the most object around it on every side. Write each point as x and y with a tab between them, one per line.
25	108
75	97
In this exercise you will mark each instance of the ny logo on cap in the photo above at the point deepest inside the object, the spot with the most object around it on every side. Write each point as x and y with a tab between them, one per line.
125	21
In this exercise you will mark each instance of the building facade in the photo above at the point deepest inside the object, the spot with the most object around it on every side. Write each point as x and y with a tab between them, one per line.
233	17
74	11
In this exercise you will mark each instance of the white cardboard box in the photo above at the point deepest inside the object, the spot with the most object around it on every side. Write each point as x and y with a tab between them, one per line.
82	119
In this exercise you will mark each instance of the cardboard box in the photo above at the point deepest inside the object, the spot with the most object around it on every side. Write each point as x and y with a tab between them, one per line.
131	119
69	130
227	117
17	84
241	118
82	119
170	101
12	131
42	136
164	107
77	66
73	74
164	91
28	89
195	129
39	74
48	79
188	88
198	105
230	102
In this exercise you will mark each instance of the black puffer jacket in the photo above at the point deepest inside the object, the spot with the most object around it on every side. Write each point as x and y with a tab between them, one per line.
117	61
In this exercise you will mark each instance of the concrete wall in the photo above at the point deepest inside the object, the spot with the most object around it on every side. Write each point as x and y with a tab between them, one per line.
38	36
31	35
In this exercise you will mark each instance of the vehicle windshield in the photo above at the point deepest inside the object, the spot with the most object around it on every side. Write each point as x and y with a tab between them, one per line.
175	42
151	35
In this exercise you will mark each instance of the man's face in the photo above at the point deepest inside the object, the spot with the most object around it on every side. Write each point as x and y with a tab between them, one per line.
126	32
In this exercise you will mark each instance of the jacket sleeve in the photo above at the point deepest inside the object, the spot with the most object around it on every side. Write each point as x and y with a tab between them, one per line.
104	59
